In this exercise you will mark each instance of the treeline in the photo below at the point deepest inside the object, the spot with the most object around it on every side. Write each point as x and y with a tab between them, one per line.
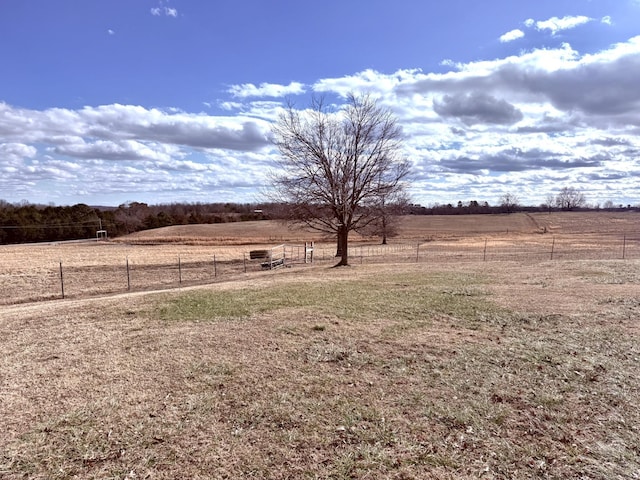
136	216
33	223
25	223
461	208
473	208
470	208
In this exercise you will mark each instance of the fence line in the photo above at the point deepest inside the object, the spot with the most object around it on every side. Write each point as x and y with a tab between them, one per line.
66	281
525	249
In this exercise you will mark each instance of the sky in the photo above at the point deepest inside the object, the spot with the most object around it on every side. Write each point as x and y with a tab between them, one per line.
106	102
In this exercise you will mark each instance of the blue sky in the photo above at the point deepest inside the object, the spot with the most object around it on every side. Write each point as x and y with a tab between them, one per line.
103	102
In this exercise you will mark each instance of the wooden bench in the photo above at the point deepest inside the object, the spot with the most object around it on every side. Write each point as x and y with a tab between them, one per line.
273	263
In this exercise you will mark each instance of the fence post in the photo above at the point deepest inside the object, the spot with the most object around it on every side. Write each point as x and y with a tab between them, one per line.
361	247
484	254
215	267
128	277
61	279
244	261
179	271
553	243
417	253
624	245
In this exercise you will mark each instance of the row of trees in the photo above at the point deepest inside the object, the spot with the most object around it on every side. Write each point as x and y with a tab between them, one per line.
569	198
30	223
134	216
26	223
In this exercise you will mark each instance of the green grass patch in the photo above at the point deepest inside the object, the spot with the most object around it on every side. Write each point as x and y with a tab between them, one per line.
404	298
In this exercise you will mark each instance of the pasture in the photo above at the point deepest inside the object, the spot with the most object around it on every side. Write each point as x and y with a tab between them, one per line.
395	369
181	256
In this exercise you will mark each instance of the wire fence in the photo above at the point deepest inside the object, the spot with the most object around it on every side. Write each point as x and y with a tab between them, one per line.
510	248
61	279
86	277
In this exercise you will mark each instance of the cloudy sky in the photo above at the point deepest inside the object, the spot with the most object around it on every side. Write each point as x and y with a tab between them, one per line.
103	102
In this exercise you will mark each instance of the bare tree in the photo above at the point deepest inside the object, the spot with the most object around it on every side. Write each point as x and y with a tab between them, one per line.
337	166
509	202
385	225
570	198
549	202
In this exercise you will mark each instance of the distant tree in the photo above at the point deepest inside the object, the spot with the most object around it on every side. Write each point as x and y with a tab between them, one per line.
386	223
608	205
131	216
509	202
336	167
474	206
569	198
549	202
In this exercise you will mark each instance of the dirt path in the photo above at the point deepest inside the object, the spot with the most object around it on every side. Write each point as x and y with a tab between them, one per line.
50	307
257	279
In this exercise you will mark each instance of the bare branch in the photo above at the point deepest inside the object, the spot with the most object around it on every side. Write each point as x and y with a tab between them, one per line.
335	166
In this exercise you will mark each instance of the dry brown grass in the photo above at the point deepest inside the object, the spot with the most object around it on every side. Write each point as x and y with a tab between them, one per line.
411	228
475	370
442	370
185	255
32	272
235	233
448	226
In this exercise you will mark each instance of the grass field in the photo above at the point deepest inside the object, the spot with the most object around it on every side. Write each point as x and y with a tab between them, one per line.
392	370
178	256
413	227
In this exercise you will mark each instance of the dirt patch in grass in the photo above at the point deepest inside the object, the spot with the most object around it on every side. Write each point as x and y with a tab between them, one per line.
387	371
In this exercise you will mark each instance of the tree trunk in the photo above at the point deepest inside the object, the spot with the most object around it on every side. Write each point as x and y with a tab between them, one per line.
384	229
339	244
343	246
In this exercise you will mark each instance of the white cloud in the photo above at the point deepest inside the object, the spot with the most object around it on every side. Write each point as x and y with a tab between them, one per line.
111	32
118	124
166	11
462	125
230	105
474	130
606	20
597	84
555	24
266	90
113	150
511	36
367	80
13	156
